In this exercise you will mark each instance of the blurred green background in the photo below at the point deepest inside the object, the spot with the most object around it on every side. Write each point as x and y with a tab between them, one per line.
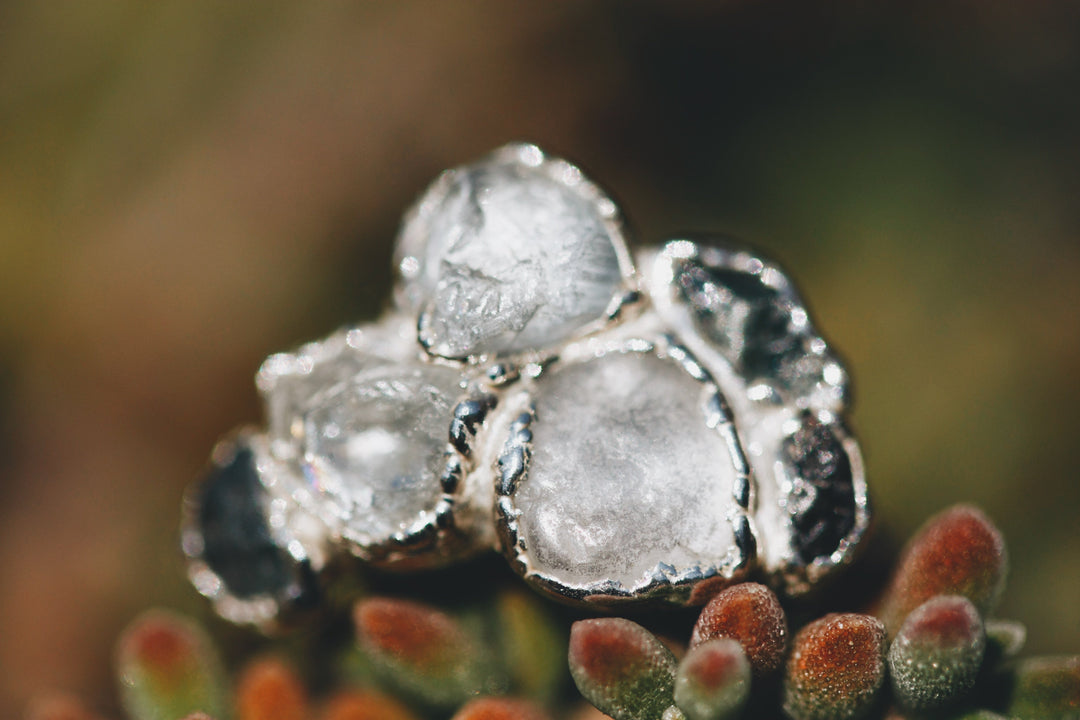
187	186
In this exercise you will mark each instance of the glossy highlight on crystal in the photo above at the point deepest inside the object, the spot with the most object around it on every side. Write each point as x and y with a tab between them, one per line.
623	432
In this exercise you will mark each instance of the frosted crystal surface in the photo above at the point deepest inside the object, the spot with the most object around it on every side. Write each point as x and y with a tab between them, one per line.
373	447
289	381
507	259
624	473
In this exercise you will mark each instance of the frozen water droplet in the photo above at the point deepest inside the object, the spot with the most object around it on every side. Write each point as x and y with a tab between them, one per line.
625	476
512	256
288	381
374	447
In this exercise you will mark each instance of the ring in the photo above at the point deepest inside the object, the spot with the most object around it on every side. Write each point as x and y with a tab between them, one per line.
622	427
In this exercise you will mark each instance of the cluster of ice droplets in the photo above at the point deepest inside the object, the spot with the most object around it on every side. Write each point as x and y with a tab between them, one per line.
619	432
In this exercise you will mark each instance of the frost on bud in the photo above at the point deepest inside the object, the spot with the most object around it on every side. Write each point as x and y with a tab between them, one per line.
750	614
836	668
420	651
500	709
622	668
713	680
956	552
935	658
365	705
269	690
168	669
1046	688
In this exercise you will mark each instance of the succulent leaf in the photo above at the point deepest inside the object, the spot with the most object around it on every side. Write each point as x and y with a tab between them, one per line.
421	651
1047	688
956	552
168	669
622	668
836	668
500	709
713	680
935	658
532	643
750	614
269	689
365	705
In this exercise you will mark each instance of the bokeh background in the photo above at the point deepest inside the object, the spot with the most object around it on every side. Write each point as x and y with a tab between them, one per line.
187	186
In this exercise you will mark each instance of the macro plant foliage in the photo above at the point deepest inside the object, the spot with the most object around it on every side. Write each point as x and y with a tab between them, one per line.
397	444
929	646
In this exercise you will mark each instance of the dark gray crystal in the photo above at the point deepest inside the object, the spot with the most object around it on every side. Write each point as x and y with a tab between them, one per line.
760	328
238	544
822	501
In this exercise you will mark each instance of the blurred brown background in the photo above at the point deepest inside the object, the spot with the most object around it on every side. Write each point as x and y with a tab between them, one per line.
187	186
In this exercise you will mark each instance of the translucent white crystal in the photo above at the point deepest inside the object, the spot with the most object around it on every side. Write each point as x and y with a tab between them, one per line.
625	474
289	381
742	319
374	447
508	256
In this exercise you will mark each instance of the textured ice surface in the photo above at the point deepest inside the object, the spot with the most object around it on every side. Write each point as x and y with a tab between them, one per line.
624	473
501	257
289	381
374	446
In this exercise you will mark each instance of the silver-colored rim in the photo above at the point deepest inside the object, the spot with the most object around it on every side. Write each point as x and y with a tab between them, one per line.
309	553
624	302
665	583
796	577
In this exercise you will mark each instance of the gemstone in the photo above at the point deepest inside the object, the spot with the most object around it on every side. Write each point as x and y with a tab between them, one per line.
231	532
626	481
515	253
374	448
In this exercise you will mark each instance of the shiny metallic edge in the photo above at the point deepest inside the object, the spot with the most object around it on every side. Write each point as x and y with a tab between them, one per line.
351	338
799	578
435	537
666	583
796	577
626	301
263	611
723	253
367	340
435	532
